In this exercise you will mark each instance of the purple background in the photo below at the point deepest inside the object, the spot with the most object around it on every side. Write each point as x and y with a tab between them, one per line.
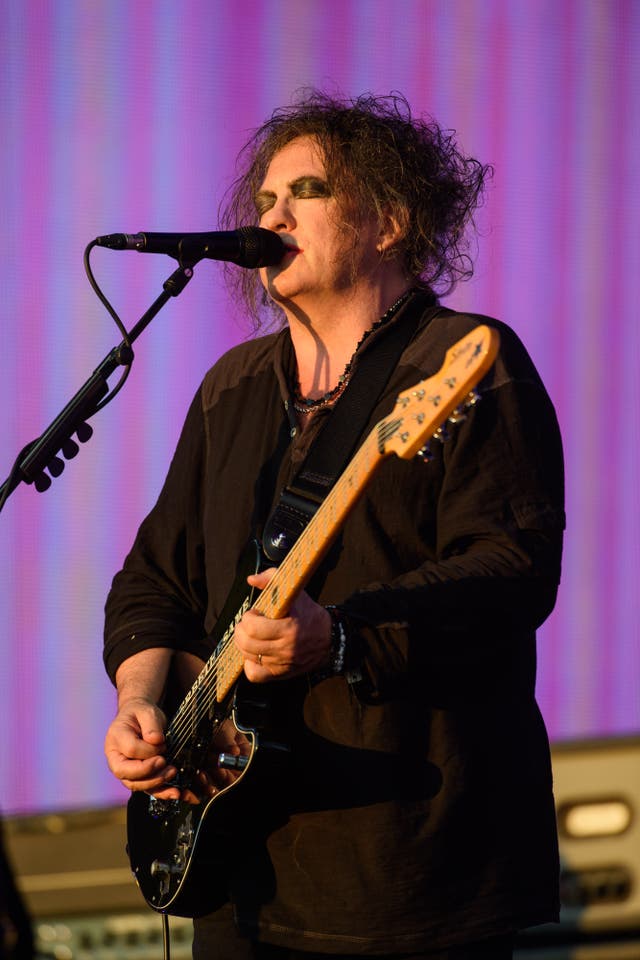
127	116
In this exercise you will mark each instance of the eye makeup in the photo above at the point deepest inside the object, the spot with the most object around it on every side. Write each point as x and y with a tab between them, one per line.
303	188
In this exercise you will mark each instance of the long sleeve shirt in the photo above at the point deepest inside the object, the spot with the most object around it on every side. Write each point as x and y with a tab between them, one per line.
418	808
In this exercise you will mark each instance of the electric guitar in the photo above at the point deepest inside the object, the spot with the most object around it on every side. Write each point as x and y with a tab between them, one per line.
178	850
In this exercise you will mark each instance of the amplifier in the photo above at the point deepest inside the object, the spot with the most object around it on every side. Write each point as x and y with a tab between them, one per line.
72	862
111	936
73	874
72	869
597	794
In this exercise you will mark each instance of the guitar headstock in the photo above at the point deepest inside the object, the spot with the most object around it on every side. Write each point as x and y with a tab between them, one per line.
421	411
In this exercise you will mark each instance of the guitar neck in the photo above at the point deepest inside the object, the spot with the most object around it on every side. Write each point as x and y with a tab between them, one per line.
417	414
302	560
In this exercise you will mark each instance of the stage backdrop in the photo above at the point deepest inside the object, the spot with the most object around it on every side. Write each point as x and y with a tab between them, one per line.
127	116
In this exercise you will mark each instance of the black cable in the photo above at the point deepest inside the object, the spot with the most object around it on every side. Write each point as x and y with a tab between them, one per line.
166	942
93	396
118	322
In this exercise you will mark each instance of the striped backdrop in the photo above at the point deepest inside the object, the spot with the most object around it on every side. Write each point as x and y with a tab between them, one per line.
127	115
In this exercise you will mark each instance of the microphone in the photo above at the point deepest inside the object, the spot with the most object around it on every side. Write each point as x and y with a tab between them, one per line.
246	246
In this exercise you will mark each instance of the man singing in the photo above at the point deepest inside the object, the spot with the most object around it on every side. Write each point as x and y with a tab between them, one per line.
413	816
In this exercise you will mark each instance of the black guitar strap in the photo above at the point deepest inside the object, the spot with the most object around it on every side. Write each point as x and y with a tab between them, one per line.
335	444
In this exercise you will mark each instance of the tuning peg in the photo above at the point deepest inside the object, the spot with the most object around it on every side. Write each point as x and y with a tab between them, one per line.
472	398
55	467
424	453
441	434
84	432
457	415
69	449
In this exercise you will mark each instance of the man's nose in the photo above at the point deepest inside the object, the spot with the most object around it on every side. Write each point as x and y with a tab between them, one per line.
279	217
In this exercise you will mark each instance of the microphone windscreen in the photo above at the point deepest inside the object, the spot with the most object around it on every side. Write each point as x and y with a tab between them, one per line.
260	248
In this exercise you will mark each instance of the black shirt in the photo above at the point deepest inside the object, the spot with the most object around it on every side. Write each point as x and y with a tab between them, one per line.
418	811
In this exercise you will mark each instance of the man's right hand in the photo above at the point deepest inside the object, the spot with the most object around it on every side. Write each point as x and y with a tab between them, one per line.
135	746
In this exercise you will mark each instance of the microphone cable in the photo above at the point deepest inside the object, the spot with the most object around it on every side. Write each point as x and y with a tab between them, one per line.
118	322
44	482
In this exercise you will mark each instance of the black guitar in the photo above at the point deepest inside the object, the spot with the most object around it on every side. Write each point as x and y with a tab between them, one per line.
179	851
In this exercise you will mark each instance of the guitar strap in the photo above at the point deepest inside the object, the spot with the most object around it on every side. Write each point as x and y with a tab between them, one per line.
336	442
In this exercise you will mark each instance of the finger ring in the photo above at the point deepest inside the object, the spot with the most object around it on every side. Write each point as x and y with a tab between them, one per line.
260	659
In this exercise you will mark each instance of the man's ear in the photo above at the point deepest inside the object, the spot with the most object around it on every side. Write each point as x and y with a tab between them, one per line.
393	228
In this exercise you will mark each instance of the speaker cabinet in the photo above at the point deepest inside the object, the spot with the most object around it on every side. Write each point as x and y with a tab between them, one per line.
72	862
73	874
597	793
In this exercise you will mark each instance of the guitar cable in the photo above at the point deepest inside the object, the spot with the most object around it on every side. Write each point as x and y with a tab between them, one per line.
166	939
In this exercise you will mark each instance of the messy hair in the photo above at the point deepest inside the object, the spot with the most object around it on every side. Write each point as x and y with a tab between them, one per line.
379	161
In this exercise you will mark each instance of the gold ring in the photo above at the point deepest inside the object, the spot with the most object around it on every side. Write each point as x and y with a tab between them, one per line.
260	659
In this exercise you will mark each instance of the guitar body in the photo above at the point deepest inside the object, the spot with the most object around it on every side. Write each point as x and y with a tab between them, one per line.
162	834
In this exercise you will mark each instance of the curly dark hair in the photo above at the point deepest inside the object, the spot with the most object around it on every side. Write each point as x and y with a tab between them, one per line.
379	159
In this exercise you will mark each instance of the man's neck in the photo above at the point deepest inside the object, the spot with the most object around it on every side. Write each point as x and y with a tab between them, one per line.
325	335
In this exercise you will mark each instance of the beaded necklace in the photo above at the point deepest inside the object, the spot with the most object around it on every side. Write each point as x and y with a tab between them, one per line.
306	405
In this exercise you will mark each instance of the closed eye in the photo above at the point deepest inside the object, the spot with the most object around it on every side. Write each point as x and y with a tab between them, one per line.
264	201
302	188
310	187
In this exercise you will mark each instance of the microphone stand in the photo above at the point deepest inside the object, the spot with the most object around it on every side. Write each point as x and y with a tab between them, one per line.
41	453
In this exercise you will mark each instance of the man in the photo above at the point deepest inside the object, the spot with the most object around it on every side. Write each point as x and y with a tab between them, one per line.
415	816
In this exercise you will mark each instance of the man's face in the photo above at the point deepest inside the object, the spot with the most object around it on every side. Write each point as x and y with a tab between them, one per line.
294	200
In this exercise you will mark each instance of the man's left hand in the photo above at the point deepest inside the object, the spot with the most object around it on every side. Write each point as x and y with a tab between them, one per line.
295	644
